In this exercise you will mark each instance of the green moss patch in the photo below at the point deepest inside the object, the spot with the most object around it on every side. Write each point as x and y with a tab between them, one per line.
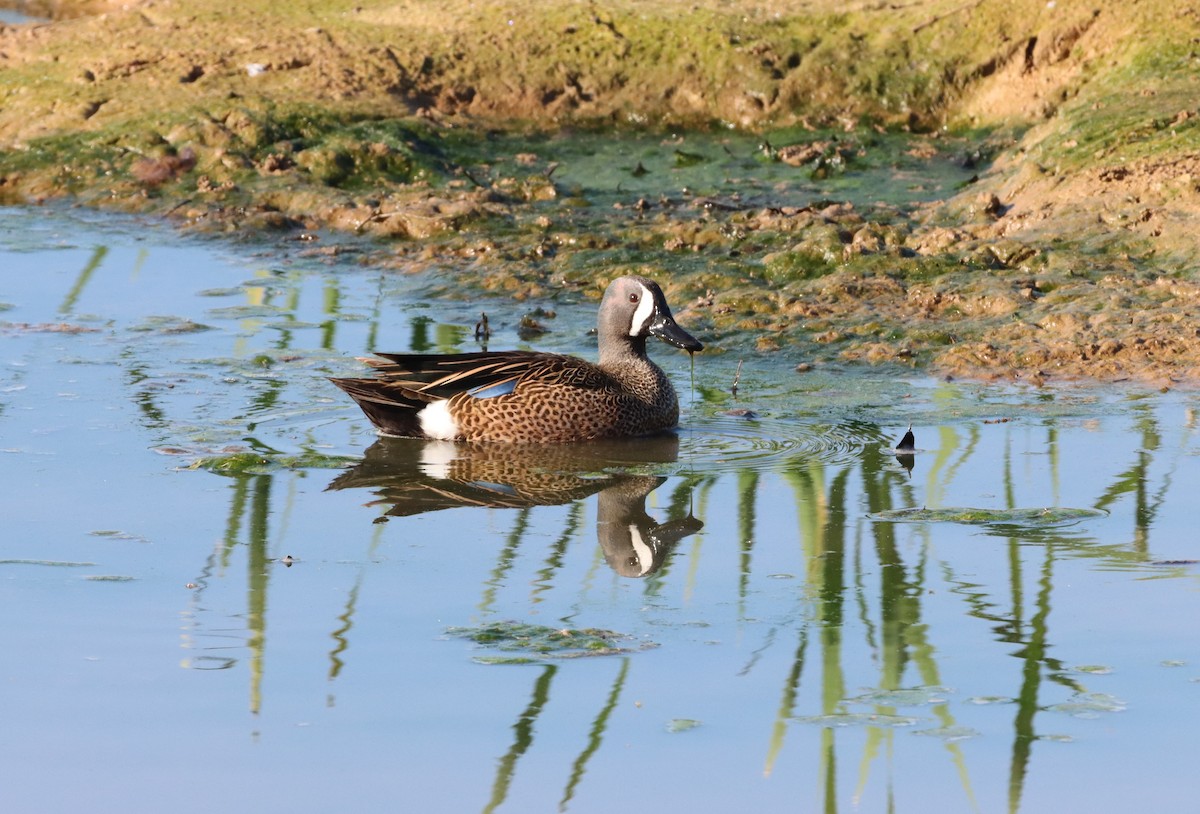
1033	518
260	463
541	642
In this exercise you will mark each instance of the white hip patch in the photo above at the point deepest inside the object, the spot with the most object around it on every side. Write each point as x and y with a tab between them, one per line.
436	421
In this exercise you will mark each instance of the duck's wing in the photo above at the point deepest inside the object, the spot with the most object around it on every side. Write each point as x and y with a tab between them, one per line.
405	383
481	375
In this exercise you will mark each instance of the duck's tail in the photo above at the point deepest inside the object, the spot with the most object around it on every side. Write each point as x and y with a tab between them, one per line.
392	409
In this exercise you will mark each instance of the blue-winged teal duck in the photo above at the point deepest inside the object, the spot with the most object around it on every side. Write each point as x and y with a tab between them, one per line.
530	397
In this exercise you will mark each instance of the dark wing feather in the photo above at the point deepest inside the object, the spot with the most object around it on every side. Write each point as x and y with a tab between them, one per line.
391	407
431	377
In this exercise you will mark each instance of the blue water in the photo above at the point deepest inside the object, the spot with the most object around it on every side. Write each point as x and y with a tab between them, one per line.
786	649
12	17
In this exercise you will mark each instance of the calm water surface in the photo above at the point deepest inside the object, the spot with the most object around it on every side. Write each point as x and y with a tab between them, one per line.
280	635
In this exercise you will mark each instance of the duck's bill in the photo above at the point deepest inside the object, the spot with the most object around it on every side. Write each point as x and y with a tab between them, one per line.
665	329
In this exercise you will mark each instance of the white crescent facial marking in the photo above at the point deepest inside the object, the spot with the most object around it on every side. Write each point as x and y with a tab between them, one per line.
436	421
643	314
645	553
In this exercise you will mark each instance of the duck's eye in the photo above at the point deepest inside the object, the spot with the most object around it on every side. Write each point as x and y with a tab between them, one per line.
633	298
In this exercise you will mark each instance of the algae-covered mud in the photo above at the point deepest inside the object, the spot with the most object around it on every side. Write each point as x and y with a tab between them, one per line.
990	190
225	590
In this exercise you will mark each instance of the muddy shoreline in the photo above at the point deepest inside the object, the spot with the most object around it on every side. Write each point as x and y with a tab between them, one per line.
1058	241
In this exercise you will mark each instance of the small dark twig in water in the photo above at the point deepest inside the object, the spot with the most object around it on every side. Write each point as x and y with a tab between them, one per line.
178	206
737	375
374	216
482	331
551	168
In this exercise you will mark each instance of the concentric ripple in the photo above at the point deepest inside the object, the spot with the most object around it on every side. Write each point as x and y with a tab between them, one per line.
726	442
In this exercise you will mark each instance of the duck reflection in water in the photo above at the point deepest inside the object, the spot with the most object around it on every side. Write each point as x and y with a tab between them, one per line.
413	476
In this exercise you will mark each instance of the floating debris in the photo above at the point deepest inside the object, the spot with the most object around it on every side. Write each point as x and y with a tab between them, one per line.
169	325
949	733
545	642
857	719
1039	518
1089	705
505	660
258	463
911	697
119	535
48	327
676	725
249	312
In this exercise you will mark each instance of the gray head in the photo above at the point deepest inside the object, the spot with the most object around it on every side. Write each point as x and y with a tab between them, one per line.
634	308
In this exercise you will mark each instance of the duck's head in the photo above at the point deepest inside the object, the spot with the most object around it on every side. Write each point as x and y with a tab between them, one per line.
634	308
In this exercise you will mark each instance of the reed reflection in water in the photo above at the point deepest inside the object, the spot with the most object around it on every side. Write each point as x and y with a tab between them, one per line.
871	630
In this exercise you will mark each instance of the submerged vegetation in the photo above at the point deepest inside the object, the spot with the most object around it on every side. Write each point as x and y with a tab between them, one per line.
1006	518
988	191
541	642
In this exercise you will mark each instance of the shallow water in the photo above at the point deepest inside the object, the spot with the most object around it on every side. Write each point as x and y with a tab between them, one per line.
223	591
14	17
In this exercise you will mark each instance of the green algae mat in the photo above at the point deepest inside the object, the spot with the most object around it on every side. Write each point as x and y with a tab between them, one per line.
994	192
